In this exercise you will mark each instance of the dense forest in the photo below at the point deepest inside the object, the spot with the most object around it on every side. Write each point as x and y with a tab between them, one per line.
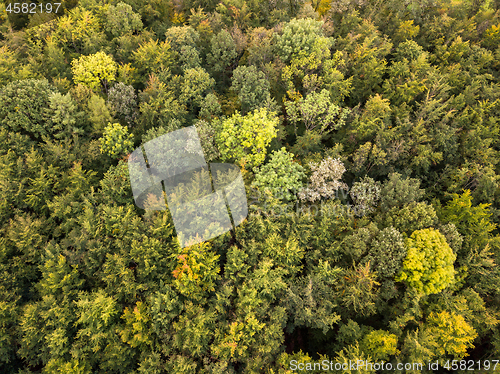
367	133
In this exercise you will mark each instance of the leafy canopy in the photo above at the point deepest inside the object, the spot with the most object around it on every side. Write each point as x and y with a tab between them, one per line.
428	267
281	175
245	138
94	70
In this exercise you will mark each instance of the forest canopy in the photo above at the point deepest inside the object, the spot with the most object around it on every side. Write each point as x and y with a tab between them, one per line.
367	135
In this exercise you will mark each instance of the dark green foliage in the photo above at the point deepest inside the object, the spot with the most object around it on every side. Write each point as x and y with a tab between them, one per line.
387	253
222	52
398	191
24	107
252	87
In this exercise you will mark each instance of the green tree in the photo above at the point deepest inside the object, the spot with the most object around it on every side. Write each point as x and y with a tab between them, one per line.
222	52
251	86
94	71
387	252
316	113
473	222
79	31
159	107
98	113
24	107
116	140
281	176
398	191
428	266
210	107
207	135
411	217
245	138
449	334
298	38
380	345
121	19
196	84
153	57
185	41
64	115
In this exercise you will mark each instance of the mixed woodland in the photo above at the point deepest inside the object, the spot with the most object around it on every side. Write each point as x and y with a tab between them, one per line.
367	133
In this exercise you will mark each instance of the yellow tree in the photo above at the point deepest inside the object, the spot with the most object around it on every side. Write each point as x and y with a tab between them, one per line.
94	71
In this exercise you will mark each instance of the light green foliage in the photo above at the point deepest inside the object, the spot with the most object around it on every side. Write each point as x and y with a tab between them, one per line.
449	333
185	40
313	295
357	245
367	60
64	115
452	236
251	86
390	97
156	132
24	107
245	138
189	58
428	266
96	313
409	50
135	331
374	119
115	184
222	52
357	290
153	57
365	194
380	345
408	76
316	112
406	31
195	85
79	31
353	353
121	19
94	71
472	222
179	36
387	252
319	70
10	67
116	140
281	176
298	37
492	37
99	113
